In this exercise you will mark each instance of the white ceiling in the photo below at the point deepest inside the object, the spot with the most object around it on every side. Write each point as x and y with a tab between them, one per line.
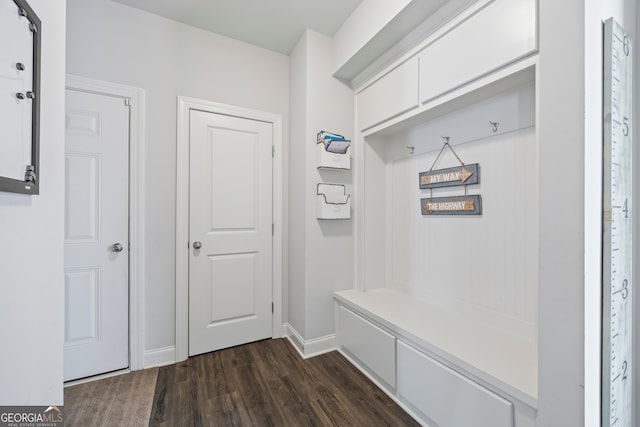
273	24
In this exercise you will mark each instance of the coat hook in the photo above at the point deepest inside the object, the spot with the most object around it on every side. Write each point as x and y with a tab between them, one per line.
411	149
494	126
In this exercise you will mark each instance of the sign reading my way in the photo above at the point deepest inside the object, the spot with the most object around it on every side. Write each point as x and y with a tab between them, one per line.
459	175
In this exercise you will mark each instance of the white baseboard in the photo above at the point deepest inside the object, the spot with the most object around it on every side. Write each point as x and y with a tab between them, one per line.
160	357
296	340
97	377
310	348
284	330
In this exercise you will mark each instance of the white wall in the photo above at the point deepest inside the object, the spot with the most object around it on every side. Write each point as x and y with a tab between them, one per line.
363	24
329	243
637	223
31	253
561	107
297	169
320	257
112	42
596	11
570	139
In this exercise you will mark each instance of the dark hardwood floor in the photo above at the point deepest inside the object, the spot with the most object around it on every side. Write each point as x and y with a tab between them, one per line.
268	384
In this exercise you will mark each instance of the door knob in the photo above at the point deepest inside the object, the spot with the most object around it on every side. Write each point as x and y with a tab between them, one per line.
197	245
117	247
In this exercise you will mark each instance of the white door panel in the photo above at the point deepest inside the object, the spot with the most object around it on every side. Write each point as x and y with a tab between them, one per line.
230	289
97	216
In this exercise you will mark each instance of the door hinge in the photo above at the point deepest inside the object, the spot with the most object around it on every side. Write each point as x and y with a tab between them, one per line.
273	229
127	102
271	307
273	151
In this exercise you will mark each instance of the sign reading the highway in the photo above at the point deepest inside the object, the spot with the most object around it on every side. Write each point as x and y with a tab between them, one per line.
460	205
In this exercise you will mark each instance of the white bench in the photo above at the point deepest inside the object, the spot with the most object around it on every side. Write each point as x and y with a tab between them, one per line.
445	368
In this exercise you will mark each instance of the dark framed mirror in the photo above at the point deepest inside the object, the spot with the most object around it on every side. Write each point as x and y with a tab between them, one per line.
20	37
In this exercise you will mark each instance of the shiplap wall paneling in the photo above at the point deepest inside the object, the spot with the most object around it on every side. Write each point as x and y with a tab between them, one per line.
373	219
487	262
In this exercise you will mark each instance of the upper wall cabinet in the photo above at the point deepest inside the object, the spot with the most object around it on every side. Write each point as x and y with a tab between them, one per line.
487	37
393	94
500	33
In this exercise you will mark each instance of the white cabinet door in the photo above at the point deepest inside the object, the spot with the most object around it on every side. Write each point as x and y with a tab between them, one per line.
392	95
230	220
96	235
497	35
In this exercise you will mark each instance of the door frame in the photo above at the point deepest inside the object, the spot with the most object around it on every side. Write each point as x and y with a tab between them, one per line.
185	105
136	99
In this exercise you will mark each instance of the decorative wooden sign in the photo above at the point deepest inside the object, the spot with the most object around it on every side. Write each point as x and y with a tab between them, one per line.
459	205
459	175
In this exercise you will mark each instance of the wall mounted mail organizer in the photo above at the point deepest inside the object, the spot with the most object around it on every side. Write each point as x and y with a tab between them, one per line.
332	151
462	175
332	201
20	32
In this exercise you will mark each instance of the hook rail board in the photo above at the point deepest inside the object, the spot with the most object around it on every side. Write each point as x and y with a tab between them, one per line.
459	175
458	205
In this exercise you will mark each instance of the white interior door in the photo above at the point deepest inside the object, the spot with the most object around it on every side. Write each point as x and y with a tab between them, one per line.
230	230
96	235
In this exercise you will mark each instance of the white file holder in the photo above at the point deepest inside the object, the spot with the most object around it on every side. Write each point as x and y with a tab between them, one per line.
334	156
332	201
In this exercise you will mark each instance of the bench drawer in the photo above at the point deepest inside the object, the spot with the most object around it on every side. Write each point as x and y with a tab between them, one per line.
446	397
371	345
